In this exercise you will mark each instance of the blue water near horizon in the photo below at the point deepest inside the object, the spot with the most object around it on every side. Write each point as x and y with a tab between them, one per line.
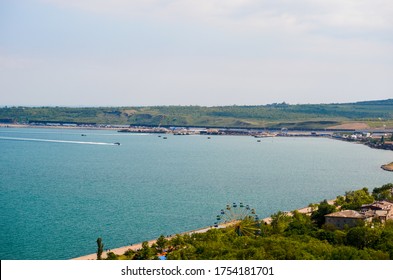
58	197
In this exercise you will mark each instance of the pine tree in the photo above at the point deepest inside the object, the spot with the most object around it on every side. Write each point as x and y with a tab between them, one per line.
100	248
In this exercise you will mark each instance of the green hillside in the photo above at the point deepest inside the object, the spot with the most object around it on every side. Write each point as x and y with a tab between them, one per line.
311	116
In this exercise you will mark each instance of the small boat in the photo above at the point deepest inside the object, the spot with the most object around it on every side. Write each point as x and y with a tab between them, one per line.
83	134
208	137
258	140
164	137
117	143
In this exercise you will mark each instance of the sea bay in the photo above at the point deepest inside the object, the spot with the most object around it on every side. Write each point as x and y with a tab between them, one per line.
61	190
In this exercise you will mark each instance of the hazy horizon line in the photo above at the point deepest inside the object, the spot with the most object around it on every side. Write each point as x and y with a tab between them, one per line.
189	105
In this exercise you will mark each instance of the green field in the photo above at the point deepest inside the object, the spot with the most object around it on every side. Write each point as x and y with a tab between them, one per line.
304	116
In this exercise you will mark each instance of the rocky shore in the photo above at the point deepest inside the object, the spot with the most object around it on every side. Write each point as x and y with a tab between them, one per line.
388	167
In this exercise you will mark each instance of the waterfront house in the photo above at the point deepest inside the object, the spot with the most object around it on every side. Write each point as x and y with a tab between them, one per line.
348	218
381	210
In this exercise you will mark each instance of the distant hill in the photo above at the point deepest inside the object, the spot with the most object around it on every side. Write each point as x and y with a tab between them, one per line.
376	102
277	115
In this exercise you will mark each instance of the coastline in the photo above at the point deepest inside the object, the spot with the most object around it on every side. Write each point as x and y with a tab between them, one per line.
134	247
388	167
121	250
4	125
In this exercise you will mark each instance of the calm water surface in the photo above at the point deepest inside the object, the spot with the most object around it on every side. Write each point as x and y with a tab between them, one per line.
58	197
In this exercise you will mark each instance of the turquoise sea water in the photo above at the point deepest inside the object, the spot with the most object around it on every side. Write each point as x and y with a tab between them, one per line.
58	197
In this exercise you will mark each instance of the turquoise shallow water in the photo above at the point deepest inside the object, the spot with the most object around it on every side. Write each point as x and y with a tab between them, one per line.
58	197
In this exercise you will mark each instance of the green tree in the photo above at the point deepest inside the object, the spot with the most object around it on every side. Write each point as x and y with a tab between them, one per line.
355	199
345	253
324	208
362	236
161	244
145	253
384	192
247	227
265	230
340	200
100	248
187	253
280	222
301	224
112	256
385	242
129	254
178	242
329	236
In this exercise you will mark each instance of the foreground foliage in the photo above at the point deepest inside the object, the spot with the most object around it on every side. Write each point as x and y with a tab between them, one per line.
384	192
301	240
293	236
353	200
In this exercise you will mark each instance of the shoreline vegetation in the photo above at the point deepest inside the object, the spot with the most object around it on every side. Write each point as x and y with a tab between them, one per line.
362	229
119	251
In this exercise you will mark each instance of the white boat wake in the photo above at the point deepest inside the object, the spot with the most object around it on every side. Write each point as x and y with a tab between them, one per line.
57	141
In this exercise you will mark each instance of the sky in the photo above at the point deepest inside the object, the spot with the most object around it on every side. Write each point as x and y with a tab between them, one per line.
194	52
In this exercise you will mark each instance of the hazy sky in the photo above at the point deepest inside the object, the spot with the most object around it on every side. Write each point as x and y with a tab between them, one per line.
194	52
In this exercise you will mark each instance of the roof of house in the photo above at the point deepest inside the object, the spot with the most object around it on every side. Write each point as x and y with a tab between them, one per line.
381	213
379	205
346	214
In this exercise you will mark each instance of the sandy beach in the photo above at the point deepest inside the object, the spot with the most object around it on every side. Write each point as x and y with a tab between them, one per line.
134	247
388	167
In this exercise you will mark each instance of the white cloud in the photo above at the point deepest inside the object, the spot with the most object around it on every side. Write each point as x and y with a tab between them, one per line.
203	81
245	14
205	52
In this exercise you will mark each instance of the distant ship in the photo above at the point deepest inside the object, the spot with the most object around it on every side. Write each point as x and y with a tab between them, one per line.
117	143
